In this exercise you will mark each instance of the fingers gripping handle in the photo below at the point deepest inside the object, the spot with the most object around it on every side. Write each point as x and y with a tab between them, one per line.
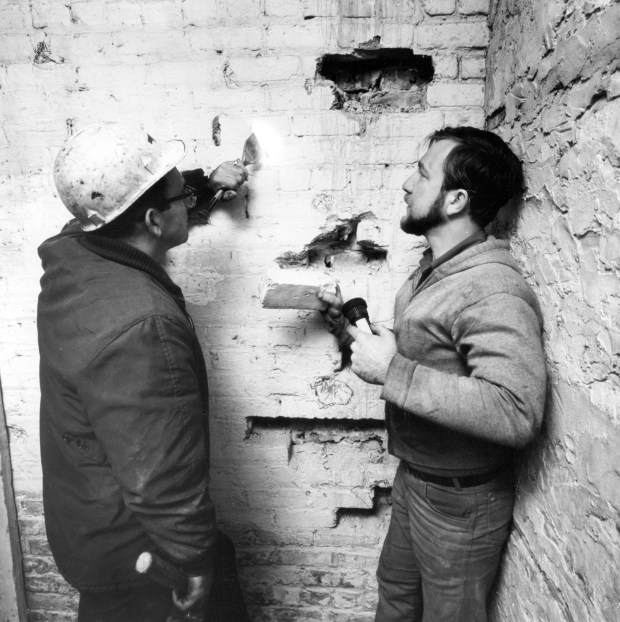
162	572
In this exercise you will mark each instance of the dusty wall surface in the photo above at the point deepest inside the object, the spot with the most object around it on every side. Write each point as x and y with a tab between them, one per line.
300	471
552	91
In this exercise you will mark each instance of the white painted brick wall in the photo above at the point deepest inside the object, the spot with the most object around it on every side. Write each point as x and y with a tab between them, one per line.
450	35
172	66
554	106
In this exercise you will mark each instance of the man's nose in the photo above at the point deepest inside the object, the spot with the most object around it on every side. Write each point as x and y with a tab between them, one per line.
408	184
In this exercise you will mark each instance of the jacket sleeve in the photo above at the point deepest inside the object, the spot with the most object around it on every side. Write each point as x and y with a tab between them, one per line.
143	400
502	398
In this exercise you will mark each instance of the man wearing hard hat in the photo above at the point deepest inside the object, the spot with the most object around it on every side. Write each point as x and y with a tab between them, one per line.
124	399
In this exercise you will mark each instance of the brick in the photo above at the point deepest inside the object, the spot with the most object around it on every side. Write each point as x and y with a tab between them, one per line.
161	15
14	18
17	48
88	15
264	69
400	10
181	73
52	16
327	123
365	178
241	11
283	8
446	67
455	94
246	38
353	32
149	46
398	35
467	116
356	8
315	34
320	8
124	13
472	68
439	7
200	13
474	7
296	97
293	289
451	35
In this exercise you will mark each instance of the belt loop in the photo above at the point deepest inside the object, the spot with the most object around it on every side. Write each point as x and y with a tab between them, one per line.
456	483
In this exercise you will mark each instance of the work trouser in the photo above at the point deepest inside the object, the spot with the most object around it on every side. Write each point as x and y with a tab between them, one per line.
442	549
153	602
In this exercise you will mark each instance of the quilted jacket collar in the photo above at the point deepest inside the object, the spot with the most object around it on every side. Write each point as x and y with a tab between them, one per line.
125	254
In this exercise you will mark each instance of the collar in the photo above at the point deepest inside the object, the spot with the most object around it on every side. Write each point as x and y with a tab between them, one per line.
428	264
128	255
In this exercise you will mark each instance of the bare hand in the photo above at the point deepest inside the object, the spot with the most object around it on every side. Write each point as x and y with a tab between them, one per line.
194	602
371	355
229	176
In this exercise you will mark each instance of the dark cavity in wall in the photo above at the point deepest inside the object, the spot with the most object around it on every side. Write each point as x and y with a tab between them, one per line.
318	430
381	500
374	80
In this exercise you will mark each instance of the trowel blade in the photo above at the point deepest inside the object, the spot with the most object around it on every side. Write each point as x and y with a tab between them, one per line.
251	150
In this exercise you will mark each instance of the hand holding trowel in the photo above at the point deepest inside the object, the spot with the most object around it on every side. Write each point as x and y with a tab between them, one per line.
251	155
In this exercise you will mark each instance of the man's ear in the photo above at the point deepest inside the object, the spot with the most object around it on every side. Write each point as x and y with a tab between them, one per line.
456	202
153	222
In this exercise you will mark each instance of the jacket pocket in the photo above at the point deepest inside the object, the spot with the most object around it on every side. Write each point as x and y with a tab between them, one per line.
85	450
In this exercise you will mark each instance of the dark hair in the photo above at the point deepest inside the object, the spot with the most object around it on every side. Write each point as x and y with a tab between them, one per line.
125	223
483	164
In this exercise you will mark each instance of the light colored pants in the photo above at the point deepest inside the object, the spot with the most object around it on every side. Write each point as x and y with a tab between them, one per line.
442	549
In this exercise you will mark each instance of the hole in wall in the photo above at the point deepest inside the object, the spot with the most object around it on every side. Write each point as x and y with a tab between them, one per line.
362	432
318	430
339	235
382	498
373	80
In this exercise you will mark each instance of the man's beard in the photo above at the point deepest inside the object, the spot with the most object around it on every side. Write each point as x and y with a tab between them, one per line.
421	225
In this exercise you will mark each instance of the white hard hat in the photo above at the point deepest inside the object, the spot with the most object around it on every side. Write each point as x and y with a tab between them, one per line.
104	168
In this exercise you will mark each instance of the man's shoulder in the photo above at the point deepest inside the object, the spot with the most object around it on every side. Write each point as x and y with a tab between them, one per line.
488	270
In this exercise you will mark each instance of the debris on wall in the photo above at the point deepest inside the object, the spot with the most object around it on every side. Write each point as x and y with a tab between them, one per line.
338	235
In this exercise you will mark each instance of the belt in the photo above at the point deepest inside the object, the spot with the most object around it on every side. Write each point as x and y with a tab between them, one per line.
463	481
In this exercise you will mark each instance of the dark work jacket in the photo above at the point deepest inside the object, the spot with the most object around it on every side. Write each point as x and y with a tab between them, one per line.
124	415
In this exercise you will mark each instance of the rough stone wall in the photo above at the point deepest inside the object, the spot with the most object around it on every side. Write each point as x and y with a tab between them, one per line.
552	91
301	476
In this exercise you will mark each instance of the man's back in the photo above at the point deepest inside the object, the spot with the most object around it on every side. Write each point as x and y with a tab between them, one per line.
124	399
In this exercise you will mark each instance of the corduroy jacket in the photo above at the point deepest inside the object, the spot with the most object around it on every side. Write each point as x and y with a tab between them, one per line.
124	414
